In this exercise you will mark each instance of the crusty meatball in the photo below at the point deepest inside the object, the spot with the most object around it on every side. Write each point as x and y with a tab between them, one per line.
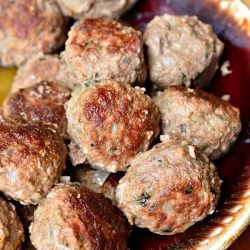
11	233
32	159
93	179
95	9
28	27
73	217
209	123
181	51
111	123
168	188
41	102
104	49
41	68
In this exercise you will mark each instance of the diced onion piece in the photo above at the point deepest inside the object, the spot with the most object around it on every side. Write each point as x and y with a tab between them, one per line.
100	177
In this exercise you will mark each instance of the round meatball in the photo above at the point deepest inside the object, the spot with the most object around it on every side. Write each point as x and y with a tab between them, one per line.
41	102
111	123
168	188
73	217
32	159
28	27
104	49
209	123
12	234
181	51
97	180
95	9
41	68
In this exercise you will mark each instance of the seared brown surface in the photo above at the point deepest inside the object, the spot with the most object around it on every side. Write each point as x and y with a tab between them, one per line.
168	188
205	120
32	159
97	9
42	102
41	68
104	49
111	123
41	28
11	236
74	217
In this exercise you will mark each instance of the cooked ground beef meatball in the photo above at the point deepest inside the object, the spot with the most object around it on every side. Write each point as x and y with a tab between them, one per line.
111	123
28	27
32	157
104	49
41	102
181	51
73	217
168	188
41	68
209	123
93	179
11	233
95	8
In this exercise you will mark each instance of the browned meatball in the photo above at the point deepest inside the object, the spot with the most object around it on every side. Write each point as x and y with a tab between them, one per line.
73	217
111	123
41	68
96	180
168	188
28	27
12	235
104	49
32	159
92	8
209	123
41	102
181	50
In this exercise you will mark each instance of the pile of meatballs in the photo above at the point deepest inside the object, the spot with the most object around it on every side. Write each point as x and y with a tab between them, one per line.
93	139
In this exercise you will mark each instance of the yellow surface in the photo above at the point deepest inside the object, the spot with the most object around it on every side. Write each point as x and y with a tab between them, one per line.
6	78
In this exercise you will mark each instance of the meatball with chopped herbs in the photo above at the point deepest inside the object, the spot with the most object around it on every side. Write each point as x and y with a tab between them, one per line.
181	51
168	188
100	49
29	27
73	217
209	123
32	158
111	122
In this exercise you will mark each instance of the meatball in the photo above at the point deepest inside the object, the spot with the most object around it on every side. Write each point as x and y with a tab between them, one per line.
168	188
41	102
209	123
41	68
73	217
181	51
111	123
97	180
32	159
104	49
12	234
95	9
28	27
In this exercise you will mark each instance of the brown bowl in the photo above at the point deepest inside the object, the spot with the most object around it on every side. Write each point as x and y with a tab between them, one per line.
231	20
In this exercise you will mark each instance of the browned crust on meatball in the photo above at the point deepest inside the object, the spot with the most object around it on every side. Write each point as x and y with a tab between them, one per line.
12	234
41	68
105	49
203	119
42	102
91	219
32	159
111	123
168	188
28	27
